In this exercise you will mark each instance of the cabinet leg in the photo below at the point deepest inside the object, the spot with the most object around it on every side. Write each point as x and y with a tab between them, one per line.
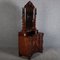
20	54
41	50
29	58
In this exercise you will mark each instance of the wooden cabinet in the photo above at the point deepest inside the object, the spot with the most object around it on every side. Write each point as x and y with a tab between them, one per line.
30	40
28	45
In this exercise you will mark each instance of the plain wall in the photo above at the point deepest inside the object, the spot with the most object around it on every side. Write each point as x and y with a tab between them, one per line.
47	21
8	24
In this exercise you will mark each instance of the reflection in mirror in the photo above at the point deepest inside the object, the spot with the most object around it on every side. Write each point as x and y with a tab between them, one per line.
29	18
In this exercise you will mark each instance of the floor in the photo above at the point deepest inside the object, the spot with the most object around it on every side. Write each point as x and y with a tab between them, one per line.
12	54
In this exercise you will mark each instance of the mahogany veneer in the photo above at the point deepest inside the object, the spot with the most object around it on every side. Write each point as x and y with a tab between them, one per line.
30	40
30	45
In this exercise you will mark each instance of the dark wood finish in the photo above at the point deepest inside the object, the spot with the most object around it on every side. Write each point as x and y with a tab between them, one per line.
29	45
30	40
28	8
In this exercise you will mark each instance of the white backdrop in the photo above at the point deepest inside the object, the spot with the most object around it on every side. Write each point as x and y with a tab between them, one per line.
48	21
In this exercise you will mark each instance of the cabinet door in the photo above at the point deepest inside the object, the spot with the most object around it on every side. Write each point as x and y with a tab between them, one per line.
25	46
37	43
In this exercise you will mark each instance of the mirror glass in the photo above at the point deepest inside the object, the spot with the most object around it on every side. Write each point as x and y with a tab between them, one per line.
29	18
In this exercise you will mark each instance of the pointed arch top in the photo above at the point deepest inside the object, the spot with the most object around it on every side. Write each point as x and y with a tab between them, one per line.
29	4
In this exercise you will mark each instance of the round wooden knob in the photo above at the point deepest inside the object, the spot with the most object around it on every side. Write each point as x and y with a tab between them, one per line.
24	34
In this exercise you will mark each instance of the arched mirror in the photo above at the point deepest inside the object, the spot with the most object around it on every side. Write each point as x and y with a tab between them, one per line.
29	16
